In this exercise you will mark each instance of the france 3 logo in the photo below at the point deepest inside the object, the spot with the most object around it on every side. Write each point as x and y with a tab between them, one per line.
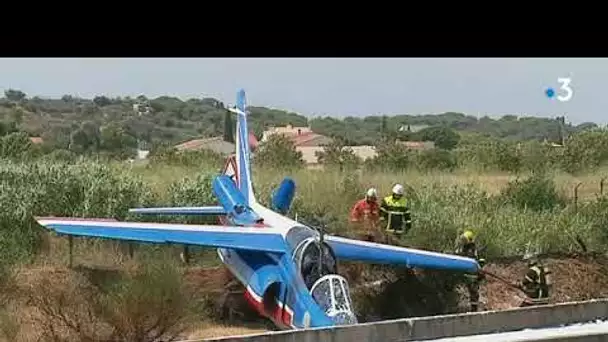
565	90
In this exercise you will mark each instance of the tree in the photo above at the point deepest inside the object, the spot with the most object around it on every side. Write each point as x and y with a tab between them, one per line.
102	101
115	139
228	131
14	95
336	154
7	128
85	139
17	116
392	156
278	152
443	137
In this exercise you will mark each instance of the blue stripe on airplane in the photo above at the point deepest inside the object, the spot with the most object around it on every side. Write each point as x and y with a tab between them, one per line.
371	254
248	241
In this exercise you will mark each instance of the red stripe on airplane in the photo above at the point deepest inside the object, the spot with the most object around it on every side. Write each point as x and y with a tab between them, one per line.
276	314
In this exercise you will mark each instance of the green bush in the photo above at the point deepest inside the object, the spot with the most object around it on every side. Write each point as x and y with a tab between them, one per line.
537	192
436	159
84	189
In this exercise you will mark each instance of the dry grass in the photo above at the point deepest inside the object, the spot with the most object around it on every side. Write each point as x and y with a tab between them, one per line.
159	177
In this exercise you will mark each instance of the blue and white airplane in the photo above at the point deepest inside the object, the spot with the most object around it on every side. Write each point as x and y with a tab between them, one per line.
288	269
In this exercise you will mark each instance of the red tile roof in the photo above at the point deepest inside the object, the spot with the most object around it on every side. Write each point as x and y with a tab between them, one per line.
197	143
300	139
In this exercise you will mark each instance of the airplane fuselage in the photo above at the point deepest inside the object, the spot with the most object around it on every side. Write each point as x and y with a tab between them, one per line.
273	282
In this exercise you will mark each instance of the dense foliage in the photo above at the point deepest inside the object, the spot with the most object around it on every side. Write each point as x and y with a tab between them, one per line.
103	123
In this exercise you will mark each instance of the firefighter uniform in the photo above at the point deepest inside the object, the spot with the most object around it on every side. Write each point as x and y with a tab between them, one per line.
365	216
536	284
394	210
466	246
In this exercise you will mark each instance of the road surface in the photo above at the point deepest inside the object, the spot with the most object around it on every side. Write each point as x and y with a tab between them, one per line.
574	330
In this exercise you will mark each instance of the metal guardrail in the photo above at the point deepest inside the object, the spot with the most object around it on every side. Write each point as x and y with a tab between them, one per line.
436	327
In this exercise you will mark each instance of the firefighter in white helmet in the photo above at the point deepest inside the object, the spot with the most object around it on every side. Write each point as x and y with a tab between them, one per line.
365	215
395	212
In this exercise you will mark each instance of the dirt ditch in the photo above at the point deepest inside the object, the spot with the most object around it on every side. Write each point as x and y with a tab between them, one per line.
379	292
382	292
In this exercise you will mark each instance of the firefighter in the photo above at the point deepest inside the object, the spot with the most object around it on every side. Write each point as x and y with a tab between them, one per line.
366	214
467	247
395	212
536	283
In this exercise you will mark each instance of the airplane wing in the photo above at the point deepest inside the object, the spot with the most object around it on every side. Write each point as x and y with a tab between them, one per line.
355	250
265	239
209	210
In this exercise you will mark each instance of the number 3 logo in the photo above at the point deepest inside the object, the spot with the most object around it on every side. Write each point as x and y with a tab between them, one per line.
565	85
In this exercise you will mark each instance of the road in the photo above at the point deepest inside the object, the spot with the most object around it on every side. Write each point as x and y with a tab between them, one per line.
571	331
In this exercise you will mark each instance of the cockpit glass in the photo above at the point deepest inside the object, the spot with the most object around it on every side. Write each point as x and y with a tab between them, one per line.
322	295
346	289
312	267
341	302
332	295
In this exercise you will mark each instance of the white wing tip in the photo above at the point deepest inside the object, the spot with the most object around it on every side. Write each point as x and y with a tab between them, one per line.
236	110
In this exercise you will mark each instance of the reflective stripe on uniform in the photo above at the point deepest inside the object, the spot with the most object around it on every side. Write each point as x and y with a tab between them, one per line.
393	212
394	208
538	283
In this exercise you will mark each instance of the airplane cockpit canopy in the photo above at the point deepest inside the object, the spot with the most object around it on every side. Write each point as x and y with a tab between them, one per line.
312	263
332	294
328	289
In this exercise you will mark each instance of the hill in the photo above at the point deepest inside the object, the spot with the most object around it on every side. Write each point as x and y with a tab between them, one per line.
78	123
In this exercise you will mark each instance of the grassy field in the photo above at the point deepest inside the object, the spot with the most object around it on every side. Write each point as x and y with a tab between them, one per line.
546	212
508	213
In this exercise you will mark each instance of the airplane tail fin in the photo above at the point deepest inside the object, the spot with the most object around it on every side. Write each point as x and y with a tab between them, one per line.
238	165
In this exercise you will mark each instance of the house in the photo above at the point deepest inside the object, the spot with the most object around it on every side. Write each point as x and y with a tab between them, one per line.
309	154
215	144
36	140
142	154
301	136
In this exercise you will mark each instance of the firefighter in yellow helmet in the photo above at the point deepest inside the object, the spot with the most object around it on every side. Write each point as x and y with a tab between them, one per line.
467	247
395	212
536	283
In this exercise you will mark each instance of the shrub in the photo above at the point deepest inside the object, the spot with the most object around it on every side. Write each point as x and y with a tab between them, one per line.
436	159
536	192
147	304
84	189
278	152
168	155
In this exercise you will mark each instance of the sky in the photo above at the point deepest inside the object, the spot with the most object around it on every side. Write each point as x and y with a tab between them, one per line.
333	86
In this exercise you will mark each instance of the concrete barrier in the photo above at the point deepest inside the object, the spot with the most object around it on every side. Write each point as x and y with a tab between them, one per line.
434	327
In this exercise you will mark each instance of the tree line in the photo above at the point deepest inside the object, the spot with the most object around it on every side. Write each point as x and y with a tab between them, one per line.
122	124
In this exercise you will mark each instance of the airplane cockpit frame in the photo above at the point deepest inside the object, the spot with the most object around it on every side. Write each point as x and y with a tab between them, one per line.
319	270
332	294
